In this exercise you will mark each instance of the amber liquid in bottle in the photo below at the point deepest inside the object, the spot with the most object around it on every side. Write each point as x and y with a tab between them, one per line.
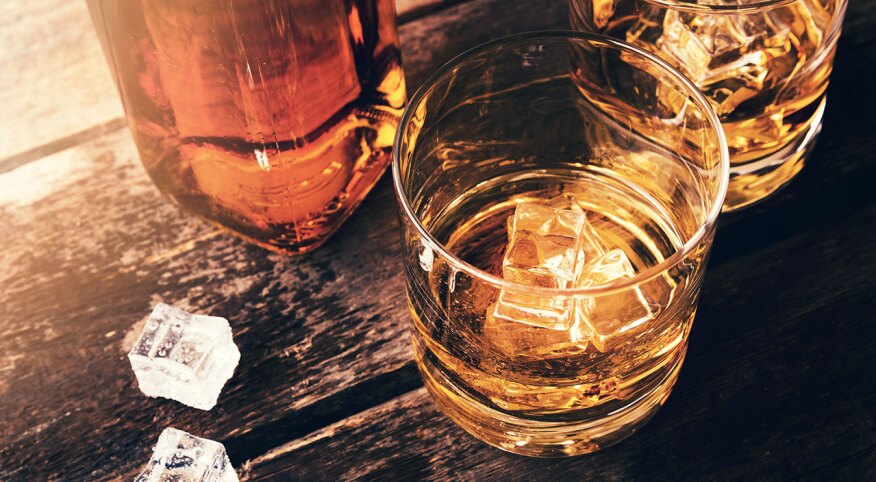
272	118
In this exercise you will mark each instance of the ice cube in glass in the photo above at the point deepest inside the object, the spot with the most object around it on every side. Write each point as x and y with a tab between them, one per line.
592	245
523	340
612	317
543	250
728	56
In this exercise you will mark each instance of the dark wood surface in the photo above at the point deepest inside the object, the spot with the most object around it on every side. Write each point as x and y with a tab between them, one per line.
779	381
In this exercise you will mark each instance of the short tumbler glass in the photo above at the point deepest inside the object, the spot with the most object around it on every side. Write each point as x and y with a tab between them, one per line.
764	65
555	225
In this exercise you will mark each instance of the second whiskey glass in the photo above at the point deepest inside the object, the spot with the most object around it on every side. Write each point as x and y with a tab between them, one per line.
763	65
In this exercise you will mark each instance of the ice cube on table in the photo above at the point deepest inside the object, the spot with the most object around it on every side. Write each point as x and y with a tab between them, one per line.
184	357
611	317
182	457
544	247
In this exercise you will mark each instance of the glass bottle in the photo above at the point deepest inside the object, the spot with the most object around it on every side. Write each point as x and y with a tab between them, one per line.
272	118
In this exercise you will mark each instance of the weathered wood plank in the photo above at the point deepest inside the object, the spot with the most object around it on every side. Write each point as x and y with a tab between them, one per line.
89	245
55	82
778	384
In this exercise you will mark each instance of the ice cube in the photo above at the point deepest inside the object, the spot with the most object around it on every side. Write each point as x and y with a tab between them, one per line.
729	85
182	457
524	340
727	56
611	317
184	357
592	245
543	250
685	47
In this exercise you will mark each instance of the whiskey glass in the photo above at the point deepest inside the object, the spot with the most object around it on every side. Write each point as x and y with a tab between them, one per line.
555	230
764	66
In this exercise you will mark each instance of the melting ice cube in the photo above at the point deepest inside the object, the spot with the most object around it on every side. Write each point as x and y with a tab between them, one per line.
179	456
611	316
185	357
544	249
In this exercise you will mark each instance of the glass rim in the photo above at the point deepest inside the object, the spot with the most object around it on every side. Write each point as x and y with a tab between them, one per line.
747	7
601	41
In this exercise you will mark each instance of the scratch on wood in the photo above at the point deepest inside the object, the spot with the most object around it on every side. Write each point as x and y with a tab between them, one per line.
182	248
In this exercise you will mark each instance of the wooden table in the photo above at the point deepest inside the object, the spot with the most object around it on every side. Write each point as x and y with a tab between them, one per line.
779	381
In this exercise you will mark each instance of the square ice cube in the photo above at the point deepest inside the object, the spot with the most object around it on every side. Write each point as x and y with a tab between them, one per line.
523	340
543	250
592	245
182	457
611	317
184	357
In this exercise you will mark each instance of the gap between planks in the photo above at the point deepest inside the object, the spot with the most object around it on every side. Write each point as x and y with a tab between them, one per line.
418	396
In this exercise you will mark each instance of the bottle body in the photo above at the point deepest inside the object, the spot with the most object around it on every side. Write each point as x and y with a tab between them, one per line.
271	118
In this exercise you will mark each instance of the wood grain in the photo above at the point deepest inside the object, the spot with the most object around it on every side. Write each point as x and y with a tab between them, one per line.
408	10
778	384
91	246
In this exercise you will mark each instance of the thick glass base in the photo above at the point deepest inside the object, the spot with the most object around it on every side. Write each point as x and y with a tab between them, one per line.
537	438
756	180
293	239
